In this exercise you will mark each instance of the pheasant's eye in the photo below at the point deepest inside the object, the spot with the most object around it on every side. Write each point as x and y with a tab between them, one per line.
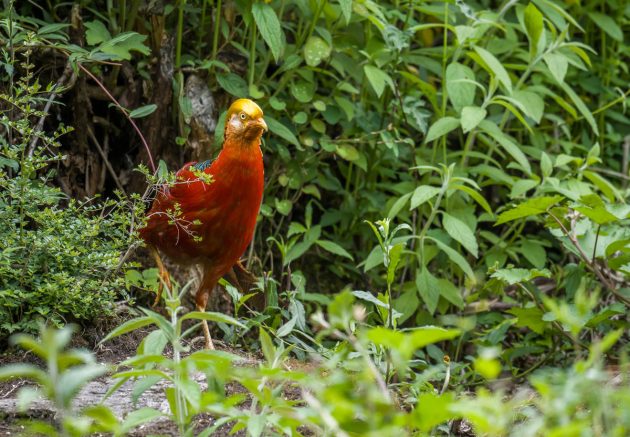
243	116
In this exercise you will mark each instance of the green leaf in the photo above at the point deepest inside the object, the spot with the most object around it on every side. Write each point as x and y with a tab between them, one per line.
471	117
281	130
558	65
96	33
441	127
233	84
128	326
428	288
534	26
532	104
316	50
395	253
73	379
378	79
212	317
426	335
529	318
348	152
143	111
346	10
546	166
513	276
460	85
460	232
422	194
267	346
138	417
577	101
494	67
121	46
269	27
455	257
506	142
369	297
451	293
529	208
334	248
608	25
398	205
476	196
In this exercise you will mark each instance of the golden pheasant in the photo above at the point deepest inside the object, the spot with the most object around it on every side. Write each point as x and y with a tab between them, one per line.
211	223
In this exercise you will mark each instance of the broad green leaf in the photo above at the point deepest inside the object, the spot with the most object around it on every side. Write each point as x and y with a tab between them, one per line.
96	33
455	257
143	111
287	328
281	130
346	10
121	46
269	27
507	143
529	318
460	232
138	417
471	117
428	288
71	381
558	65
529	208
422	194
495	68
441	127
513	276
316	50
609	190
459	85
348	152
233	84
608	25
534	253
426	335
532	104
398	205
378	79
451	293
534	26
332	247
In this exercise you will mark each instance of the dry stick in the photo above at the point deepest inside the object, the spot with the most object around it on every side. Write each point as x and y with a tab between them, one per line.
124	111
107	163
67	72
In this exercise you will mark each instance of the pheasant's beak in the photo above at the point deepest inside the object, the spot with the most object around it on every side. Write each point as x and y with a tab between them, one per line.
261	122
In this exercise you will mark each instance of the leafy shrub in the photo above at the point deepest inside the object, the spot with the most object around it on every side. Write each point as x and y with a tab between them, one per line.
59	258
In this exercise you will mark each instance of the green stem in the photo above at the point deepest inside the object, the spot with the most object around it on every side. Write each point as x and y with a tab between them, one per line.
217	26
180	29
252	54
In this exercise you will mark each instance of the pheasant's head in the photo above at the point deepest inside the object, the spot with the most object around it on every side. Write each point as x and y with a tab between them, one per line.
244	122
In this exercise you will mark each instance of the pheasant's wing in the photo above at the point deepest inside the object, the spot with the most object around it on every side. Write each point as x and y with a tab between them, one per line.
178	206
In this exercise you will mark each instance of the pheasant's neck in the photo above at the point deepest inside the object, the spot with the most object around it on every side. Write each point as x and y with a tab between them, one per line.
240	164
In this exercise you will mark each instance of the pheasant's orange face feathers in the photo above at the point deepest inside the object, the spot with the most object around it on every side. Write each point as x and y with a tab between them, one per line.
244	122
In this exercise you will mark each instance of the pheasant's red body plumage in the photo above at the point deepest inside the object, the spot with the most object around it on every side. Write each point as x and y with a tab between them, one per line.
211	224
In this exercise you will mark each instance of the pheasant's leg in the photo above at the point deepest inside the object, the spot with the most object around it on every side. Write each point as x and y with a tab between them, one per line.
201	299
163	273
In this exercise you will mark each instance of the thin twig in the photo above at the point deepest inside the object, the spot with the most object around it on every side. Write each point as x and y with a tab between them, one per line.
125	113
68	72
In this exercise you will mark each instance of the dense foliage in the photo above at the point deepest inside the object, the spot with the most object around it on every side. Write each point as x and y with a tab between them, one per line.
429	163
